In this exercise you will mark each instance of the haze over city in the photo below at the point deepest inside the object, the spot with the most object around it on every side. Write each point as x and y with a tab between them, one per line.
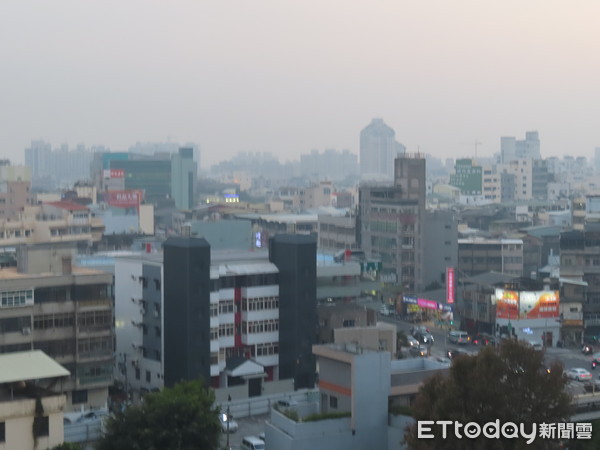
287	78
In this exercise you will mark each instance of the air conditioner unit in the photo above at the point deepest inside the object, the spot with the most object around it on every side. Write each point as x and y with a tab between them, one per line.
26	331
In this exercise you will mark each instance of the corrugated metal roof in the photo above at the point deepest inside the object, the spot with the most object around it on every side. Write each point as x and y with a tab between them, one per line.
32	365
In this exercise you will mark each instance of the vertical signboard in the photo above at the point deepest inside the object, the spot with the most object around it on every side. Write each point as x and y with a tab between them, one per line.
450	286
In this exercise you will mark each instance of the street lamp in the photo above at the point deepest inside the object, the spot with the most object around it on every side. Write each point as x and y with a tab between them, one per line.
227	419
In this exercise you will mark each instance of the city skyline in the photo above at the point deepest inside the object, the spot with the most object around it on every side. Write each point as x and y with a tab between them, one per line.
286	79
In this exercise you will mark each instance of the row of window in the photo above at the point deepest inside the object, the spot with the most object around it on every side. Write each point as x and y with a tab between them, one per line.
9	234
260	326
267	349
95	319
16	298
95	346
260	303
48	321
226	307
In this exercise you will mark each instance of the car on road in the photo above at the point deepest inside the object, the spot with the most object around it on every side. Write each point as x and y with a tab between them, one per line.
412	341
578	374
454	353
483	339
417	351
424	338
227	423
596	358
458	337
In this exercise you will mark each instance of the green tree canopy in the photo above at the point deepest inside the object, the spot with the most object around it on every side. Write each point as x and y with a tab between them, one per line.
511	384
179	418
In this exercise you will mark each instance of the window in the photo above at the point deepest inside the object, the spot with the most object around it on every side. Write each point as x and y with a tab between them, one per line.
333	403
2	432
41	426
148	376
79	396
137	373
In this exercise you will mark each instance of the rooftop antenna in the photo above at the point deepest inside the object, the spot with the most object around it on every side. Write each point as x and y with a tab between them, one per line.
477	143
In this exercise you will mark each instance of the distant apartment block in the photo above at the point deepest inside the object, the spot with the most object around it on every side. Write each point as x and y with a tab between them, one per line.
15	190
337	233
511	148
328	165
61	167
62	221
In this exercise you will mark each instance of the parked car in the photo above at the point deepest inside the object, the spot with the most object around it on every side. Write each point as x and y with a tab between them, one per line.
578	374
227	424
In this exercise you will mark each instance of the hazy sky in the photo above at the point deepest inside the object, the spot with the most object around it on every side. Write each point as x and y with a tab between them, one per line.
289	76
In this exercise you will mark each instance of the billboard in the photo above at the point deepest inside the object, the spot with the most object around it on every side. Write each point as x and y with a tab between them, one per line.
527	304
507	304
450	290
124	199
539	304
114	173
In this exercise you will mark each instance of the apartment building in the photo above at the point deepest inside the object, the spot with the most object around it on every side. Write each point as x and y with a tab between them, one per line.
52	222
218	311
66	311
479	255
391	222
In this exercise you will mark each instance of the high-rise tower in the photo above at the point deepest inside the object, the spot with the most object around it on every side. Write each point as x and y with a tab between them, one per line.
378	149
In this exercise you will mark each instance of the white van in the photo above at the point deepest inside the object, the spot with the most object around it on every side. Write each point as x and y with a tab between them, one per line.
458	337
253	443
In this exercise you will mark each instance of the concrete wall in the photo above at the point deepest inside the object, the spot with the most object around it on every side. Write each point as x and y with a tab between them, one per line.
18	418
370	392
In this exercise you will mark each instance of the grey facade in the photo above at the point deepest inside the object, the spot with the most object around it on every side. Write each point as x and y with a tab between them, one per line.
225	234
540	179
440	246
152	319
507	187
296	258
186	309
391	222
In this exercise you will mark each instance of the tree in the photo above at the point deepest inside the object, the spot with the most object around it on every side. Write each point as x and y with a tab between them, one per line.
509	384
178	418
67	446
